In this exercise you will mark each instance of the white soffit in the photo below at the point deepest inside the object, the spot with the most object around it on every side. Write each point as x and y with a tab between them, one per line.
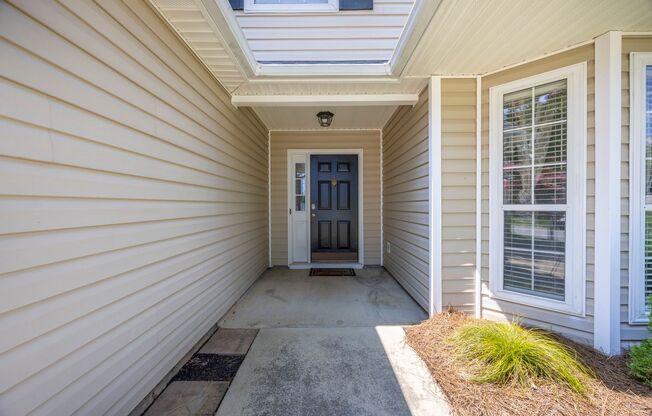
305	117
190	23
476	37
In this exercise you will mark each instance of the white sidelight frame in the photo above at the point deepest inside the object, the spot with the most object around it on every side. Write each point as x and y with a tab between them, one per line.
575	276
250	6
638	315
291	157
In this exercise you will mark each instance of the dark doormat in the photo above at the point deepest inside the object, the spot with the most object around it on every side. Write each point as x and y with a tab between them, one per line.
210	367
332	272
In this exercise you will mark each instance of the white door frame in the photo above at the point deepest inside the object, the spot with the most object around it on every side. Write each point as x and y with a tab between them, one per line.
290	201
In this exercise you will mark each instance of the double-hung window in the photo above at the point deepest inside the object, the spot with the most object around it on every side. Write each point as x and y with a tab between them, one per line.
640	273
537	193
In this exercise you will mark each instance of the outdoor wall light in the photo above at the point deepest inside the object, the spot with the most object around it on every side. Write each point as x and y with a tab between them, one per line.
325	118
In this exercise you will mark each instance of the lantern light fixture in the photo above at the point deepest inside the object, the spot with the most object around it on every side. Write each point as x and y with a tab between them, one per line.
325	118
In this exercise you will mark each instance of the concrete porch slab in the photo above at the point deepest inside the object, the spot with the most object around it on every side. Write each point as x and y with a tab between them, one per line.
291	298
332	371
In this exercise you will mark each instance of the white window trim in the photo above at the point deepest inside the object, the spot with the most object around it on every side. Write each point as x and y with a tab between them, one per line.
576	197
637	311
251	7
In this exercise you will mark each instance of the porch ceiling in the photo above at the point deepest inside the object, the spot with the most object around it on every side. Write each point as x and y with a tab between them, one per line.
304	118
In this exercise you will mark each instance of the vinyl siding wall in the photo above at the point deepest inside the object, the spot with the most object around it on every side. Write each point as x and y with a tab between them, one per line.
576	327
133	204
405	198
458	165
368	141
346	35
629	333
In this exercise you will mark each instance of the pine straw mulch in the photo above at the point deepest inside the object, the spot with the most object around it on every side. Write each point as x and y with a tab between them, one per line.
613	392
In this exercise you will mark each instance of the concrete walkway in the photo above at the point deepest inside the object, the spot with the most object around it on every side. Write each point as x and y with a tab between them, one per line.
329	346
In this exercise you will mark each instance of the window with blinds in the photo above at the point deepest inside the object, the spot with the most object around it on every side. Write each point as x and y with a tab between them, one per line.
641	186
647	285
534	189
537	171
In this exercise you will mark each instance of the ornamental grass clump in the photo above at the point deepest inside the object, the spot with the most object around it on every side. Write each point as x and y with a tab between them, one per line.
506	353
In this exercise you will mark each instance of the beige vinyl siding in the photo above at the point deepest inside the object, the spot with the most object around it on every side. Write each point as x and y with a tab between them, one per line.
405	198
576	327
341	36
368	141
458	137
628	333
133	204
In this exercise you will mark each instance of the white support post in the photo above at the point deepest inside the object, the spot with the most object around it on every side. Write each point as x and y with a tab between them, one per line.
478	198
434	196
607	192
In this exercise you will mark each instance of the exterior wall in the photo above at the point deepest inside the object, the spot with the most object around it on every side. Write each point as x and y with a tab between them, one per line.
628	333
346	35
576	327
405	198
133	205
458	141
368	141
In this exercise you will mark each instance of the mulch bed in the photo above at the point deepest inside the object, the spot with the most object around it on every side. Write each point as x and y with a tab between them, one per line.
612	392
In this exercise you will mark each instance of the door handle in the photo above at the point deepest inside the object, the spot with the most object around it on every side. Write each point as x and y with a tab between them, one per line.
313	215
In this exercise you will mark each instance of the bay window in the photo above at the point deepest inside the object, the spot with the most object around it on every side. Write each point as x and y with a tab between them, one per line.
537	192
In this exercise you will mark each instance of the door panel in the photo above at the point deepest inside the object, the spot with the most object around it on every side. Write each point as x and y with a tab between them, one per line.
324	195
334	207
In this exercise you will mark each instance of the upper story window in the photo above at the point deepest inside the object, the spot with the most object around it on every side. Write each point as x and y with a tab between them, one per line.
538	145
640	273
290	6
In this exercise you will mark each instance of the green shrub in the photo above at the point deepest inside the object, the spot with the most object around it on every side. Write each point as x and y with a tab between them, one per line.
640	357
506	352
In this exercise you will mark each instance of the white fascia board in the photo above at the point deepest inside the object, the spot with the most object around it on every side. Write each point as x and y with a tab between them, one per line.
322	69
324	100
606	331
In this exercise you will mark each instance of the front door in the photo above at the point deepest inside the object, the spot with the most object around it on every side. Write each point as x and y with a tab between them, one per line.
334	208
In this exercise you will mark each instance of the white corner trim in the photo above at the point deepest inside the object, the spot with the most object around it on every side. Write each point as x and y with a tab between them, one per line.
637	206
434	194
478	199
353	100
269	197
606	332
575	255
382	201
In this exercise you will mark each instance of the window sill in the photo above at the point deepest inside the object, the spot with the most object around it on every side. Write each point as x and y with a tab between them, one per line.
575	309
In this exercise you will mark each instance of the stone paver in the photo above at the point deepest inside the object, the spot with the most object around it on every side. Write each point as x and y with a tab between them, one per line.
229	341
189	398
